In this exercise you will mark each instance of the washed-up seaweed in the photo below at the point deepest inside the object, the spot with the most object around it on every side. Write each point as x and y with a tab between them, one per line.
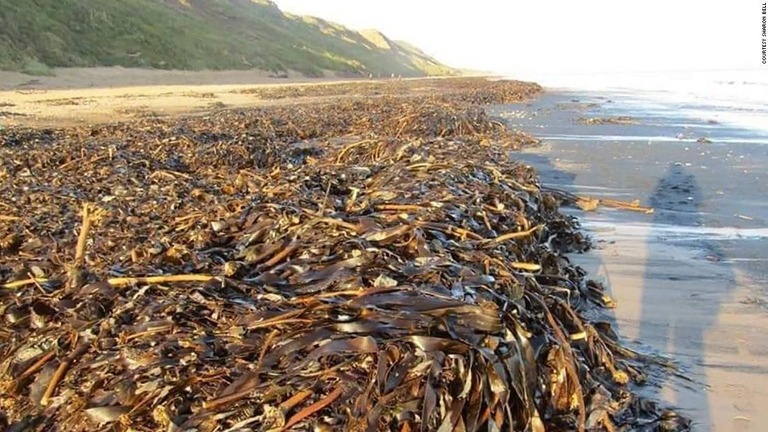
587	203
469	90
367	265
606	120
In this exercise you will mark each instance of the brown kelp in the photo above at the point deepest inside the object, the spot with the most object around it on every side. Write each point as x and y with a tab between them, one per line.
353	264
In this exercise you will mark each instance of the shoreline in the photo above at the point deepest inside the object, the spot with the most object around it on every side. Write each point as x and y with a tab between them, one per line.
689	279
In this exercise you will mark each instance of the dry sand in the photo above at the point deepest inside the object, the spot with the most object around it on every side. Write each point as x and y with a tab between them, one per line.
94	95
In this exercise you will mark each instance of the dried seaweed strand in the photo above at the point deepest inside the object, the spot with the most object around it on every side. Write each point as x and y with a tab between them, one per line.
281	255
296	399
315	407
569	363
213	403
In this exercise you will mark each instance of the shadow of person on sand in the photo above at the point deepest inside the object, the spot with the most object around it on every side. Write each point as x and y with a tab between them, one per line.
677	200
671	287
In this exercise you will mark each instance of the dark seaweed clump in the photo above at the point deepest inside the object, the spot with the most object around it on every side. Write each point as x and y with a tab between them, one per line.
350	264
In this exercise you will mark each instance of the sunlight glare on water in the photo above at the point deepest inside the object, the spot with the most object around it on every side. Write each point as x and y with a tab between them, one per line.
732	97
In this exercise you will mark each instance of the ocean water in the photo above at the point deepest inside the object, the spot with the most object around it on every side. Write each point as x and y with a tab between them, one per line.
711	193
691	278
736	98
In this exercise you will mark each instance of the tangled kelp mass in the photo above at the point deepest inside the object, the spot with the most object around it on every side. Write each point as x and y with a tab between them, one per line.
378	264
468	90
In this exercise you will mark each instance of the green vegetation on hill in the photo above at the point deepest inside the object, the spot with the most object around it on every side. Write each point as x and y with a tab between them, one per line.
194	35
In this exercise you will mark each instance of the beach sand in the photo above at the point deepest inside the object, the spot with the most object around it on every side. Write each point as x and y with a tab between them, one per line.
76	96
80	96
691	279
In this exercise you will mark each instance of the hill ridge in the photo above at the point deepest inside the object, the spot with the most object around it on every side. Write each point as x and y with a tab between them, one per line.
195	35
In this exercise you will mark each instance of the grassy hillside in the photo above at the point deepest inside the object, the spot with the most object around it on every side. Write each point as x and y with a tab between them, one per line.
193	34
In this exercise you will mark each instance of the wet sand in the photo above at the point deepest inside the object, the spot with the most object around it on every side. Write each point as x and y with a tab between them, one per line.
691	279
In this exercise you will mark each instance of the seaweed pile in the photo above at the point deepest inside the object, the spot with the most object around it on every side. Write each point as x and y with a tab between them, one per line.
468	90
351	265
606	120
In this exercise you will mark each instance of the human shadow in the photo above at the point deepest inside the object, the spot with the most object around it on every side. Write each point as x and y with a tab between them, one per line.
677	306
677	199
663	262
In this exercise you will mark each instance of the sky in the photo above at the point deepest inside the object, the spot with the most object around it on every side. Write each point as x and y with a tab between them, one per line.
527	38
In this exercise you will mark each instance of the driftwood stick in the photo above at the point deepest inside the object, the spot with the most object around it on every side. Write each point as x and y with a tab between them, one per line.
60	372
125	281
512	236
148	280
23	283
37	366
82	239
